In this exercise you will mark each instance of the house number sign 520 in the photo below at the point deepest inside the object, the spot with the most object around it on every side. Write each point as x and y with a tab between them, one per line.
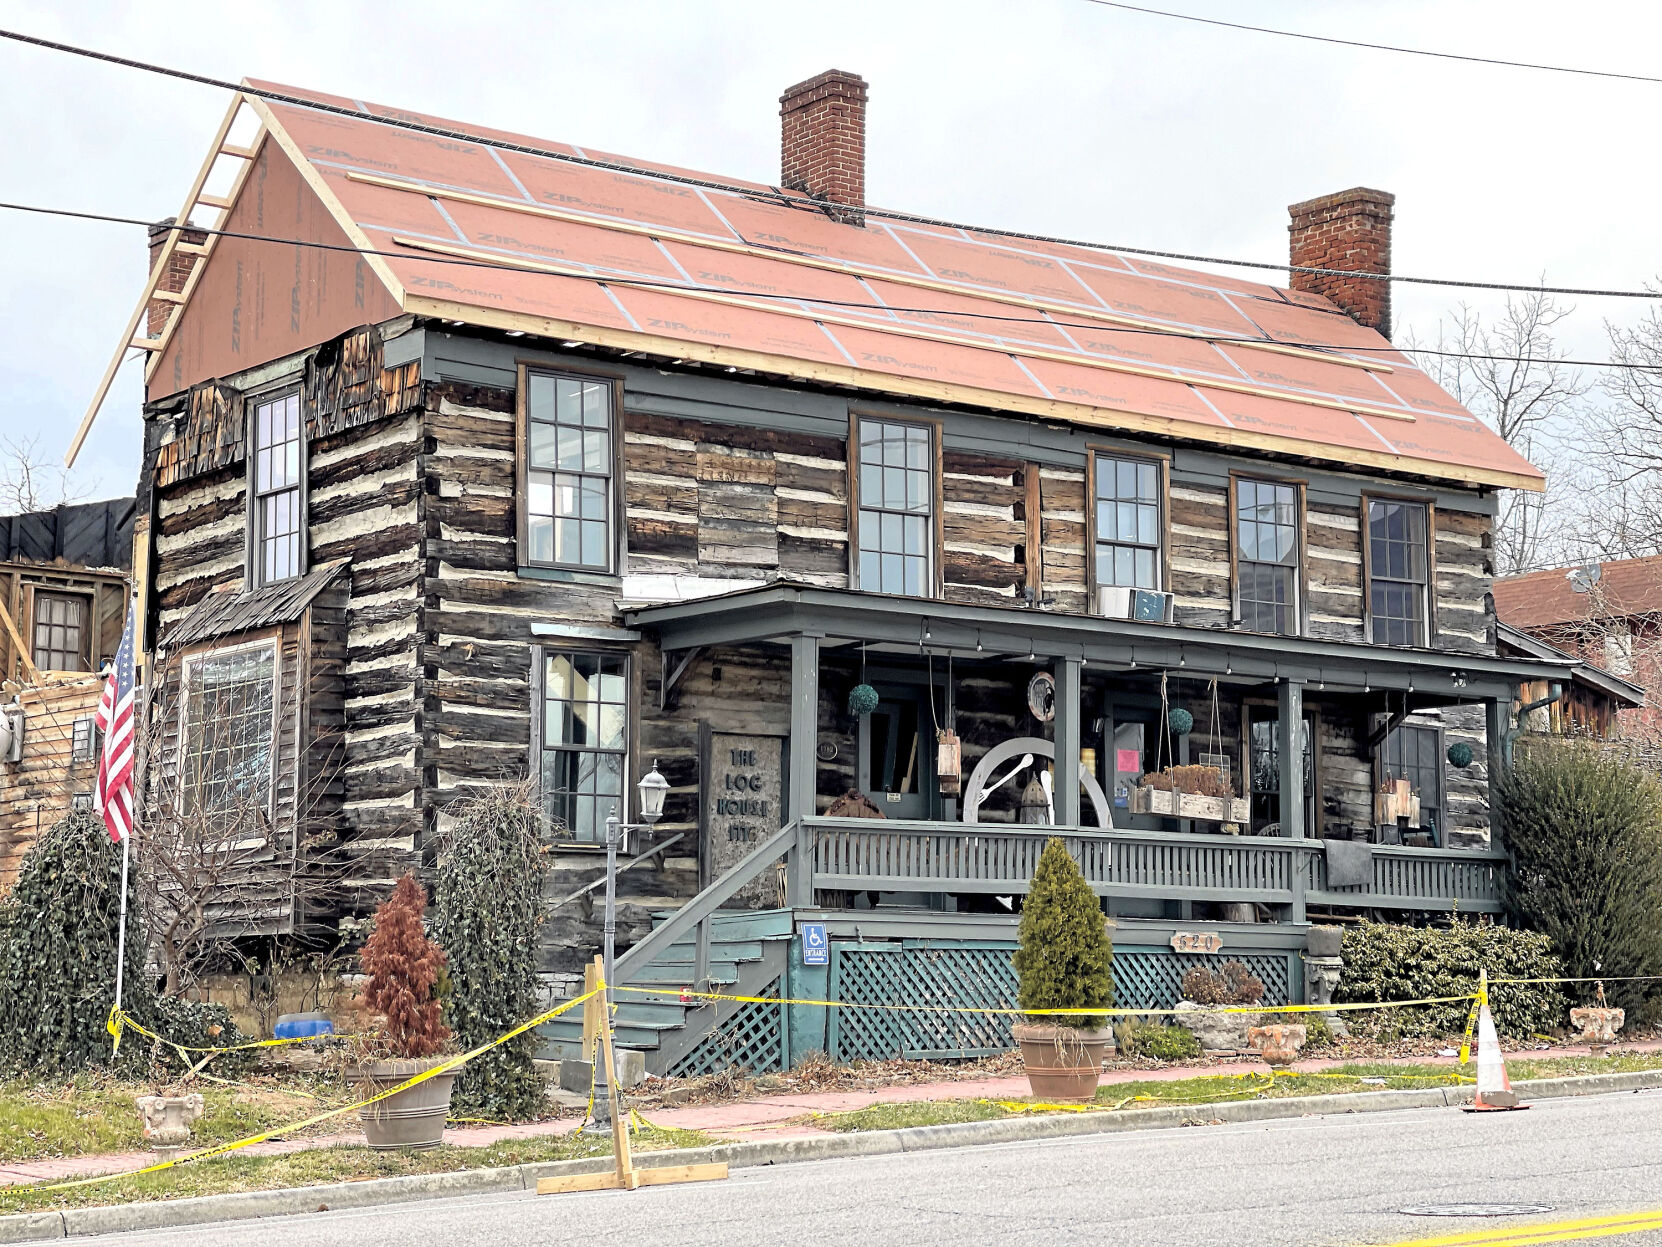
1197	942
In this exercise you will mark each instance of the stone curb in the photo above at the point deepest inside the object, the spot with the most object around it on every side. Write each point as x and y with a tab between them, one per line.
165	1214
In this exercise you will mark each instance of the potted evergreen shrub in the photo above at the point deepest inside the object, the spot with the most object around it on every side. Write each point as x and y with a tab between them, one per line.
1065	960
402	968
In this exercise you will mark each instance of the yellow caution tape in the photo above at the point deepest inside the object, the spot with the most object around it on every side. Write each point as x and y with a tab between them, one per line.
120	1020
444	1067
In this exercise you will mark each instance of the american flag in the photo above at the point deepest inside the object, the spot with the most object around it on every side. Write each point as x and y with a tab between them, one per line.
114	793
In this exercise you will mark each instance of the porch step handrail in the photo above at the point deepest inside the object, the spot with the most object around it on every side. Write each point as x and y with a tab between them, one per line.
695	914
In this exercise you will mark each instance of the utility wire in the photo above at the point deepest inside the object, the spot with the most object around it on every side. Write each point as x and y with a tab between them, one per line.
1374	47
668	287
775	195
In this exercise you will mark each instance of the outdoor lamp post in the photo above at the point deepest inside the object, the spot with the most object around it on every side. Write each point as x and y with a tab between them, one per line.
652	788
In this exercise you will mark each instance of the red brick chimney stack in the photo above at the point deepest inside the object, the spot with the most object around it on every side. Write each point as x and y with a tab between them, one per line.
822	135
1350	230
179	266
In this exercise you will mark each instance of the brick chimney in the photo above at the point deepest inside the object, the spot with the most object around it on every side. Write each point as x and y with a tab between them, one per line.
1349	230
179	266
822	146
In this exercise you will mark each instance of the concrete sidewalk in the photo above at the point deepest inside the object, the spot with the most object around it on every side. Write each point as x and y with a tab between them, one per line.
764	1117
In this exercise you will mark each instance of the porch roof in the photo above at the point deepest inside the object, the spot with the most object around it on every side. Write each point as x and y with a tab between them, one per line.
778	610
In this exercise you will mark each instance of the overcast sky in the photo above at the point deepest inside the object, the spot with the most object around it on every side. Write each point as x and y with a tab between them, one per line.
1056	116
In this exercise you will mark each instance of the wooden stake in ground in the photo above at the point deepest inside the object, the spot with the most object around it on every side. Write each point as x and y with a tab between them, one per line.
624	1176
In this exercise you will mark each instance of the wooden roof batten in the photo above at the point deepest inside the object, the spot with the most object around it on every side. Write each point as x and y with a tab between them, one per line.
1091	412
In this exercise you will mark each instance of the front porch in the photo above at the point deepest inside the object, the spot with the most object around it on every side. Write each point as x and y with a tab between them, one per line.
1325	720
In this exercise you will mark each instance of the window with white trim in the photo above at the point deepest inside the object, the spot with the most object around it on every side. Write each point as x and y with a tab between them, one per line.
228	737
1399	571
277	521
584	740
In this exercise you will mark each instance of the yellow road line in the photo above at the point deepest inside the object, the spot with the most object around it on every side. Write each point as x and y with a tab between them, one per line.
1548	1231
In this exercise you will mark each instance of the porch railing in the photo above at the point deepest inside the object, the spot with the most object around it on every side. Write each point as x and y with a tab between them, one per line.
895	856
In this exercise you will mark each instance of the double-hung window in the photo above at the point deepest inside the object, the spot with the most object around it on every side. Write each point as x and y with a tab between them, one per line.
584	743
229	731
1128	523
568	472
1399	572
1267	555
897	507
277	522
60	626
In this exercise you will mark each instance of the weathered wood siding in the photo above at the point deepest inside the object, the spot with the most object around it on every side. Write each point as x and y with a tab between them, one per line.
38	790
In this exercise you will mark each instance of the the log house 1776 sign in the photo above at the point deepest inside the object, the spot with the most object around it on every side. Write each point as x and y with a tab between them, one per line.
743	798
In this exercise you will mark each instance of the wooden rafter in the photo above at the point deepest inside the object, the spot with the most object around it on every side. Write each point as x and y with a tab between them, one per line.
158	267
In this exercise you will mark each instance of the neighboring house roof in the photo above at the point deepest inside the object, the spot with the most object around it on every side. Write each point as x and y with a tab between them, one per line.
230	609
1626	694
82	534
1039	328
1611	590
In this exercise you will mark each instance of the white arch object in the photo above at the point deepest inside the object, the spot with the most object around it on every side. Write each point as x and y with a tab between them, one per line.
976	789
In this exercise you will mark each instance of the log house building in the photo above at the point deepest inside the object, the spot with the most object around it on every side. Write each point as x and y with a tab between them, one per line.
574	465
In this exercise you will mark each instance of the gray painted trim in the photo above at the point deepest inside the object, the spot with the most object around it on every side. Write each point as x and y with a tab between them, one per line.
780	610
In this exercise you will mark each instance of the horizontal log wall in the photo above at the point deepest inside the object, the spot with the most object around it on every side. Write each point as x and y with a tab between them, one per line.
37	791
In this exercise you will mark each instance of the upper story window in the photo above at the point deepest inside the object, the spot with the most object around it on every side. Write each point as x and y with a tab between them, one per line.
60	628
897	508
568	509
1267	555
228	736
277	521
583	740
1128	523
1399	572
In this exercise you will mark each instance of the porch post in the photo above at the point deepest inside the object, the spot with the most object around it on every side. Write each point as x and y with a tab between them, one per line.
1289	749
1497	721
1067	736
804	762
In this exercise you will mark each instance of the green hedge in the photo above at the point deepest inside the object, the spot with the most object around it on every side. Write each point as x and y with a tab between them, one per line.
1390	963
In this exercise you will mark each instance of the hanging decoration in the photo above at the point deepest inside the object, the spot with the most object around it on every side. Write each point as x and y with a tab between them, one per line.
1180	721
1201	791
1460	755
1041	696
949	753
862	698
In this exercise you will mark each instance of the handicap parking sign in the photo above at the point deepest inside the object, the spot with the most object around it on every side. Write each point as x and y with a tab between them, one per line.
816	949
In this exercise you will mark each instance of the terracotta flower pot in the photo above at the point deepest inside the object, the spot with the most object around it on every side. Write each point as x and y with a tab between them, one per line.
1063	1062
411	1119
1279	1044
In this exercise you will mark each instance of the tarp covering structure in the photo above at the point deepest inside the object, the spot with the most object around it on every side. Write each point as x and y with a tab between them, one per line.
760	279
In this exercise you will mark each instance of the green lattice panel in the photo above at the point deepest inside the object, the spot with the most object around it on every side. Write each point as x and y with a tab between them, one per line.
956	975
985	976
754	1038
1151	978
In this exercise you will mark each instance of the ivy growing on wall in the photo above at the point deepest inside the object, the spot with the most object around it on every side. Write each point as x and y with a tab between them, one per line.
487	907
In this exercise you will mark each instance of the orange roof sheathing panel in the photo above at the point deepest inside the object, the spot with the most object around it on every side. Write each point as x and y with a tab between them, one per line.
772	283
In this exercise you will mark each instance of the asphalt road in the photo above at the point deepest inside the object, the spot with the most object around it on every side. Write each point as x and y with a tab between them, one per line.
1308	1181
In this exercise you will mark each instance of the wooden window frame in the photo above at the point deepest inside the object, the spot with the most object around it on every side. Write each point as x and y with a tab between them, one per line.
1313	713
632	706
1366	535
89	604
1440	755
617	542
1161	462
937	529
251	404
271	641
1301	577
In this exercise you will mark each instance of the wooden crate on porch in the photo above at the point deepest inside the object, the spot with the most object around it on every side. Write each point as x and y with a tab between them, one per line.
1170	804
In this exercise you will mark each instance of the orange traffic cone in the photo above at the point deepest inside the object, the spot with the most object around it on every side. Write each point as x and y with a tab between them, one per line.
1494	1088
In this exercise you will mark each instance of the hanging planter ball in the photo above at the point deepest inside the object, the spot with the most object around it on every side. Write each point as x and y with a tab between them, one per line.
862	699
1180	721
1460	754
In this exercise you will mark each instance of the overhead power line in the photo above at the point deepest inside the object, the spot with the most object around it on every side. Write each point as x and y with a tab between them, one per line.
1376	47
793	201
1045	320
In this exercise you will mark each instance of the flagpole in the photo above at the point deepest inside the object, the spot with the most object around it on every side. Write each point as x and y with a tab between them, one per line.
121	928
